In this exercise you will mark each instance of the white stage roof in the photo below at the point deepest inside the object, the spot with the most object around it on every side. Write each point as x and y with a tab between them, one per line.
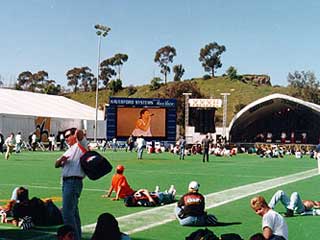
25	103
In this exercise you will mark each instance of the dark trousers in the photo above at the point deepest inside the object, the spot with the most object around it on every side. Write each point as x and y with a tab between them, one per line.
205	154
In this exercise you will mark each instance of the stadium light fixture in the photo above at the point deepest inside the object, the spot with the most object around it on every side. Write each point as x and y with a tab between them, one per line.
102	31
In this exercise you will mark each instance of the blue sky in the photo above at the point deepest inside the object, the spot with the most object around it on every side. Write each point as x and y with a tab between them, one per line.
261	37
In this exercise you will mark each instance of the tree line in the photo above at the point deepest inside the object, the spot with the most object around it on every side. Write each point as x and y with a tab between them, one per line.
82	78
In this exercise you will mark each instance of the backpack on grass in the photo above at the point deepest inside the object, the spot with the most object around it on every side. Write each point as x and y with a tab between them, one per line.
202	234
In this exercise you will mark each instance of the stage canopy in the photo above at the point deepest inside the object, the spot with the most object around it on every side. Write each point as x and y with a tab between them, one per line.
276	114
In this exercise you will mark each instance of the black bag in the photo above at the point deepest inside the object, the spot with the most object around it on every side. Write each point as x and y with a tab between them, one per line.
94	165
202	234
230	236
53	214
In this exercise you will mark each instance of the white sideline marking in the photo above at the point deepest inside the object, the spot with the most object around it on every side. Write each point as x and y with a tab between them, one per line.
147	219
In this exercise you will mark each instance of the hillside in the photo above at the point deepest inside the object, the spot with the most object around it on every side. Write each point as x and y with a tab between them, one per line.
241	93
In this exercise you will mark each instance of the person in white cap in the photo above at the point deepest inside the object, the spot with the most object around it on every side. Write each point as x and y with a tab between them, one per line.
190	210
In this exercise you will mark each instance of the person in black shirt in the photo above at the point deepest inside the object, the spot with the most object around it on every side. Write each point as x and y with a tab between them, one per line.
205	145
190	210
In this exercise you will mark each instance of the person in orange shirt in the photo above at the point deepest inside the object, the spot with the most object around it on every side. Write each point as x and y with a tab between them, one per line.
120	185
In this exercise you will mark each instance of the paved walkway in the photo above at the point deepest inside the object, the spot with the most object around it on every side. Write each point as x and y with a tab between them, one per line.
160	215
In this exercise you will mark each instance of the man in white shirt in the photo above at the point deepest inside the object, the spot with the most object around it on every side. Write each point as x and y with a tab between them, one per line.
141	143
18	142
72	175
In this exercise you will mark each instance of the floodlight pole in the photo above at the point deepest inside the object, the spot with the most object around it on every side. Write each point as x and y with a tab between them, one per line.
102	31
224	121
186	112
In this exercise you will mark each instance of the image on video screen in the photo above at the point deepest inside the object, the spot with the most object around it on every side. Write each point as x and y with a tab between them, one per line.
147	122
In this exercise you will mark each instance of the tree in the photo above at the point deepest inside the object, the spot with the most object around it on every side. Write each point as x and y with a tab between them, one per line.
1	82
115	86
73	76
80	76
132	90
52	89
118	60
178	72
34	82
176	91
107	72
163	57
86	78
232	73
155	83
305	85
210	57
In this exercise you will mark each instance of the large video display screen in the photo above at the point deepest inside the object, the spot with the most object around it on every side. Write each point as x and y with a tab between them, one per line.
152	118
147	122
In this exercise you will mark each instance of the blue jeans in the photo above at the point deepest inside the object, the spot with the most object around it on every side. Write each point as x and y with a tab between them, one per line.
294	202
181	157
190	220
140	151
71	191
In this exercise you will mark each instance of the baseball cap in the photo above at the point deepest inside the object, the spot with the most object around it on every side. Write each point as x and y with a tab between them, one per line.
193	185
120	168
69	132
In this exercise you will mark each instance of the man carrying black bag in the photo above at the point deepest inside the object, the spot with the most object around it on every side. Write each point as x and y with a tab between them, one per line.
72	175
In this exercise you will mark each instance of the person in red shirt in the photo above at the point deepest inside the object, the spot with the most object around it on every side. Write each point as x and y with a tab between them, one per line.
120	185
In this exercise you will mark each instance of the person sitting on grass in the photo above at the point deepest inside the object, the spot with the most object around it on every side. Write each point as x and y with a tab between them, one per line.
107	228
274	226
190	210
294	204
120	185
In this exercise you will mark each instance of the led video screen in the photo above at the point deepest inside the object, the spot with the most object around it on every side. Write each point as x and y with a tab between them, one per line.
148	122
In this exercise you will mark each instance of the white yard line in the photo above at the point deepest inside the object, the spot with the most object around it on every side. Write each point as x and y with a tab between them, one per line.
153	217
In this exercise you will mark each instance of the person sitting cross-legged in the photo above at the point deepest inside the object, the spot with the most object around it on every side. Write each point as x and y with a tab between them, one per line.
190	210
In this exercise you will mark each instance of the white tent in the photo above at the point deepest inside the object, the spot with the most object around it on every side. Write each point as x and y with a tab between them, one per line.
22	111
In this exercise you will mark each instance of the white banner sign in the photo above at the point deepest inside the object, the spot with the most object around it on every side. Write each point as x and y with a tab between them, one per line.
205	103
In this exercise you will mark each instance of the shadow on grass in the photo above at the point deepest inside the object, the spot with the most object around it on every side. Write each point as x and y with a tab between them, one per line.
11	234
218	224
222	224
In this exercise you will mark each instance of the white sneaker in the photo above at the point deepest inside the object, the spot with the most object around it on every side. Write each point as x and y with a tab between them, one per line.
157	190
171	189
316	212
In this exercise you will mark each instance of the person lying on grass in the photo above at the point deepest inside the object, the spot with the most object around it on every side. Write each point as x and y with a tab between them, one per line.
141	197
145	198
25	213
294	204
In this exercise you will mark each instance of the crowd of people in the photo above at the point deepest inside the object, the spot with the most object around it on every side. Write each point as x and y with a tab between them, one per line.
190	208
16	143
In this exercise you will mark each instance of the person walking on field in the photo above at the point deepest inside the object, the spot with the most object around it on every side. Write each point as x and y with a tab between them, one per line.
205	146
141	144
1	142
10	143
18	142
72	175
182	147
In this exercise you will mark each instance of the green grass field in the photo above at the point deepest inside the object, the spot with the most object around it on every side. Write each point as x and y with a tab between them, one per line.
37	172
